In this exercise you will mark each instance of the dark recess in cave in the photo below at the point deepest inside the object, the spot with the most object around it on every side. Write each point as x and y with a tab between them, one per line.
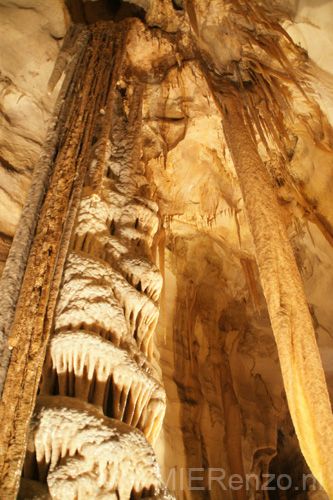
90	12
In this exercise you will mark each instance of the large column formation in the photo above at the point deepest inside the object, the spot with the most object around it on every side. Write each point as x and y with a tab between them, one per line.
302	371
16	262
100	401
102	346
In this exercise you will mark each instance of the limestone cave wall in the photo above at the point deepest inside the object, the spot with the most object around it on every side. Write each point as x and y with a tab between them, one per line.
164	225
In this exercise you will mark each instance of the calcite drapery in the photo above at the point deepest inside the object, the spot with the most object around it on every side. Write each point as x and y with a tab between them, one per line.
105	301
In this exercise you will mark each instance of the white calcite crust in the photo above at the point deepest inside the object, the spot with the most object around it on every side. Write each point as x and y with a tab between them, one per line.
96	297
89	455
92	369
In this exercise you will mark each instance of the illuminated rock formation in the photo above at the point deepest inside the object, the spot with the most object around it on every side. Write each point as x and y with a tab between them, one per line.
191	140
101	344
72	443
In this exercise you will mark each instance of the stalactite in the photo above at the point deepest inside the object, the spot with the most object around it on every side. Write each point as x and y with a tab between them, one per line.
161	252
190	8
302	370
262	105
100	370
67	55
190	318
299	195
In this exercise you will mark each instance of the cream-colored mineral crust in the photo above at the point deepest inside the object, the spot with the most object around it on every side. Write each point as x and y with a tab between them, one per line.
88	367
95	297
83	455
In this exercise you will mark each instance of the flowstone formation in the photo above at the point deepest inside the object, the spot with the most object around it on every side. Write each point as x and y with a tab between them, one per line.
198	129
101	347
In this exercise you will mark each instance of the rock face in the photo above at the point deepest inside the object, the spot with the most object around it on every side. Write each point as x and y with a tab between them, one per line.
168	186
30	34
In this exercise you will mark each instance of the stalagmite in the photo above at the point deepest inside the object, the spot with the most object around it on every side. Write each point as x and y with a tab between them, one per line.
301	366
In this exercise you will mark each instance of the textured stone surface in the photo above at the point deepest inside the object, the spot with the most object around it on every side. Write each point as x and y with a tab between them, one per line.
99	457
30	35
226	406
101	319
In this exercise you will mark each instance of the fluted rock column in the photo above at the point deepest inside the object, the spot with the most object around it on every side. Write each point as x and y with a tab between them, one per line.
102	345
88	304
302	371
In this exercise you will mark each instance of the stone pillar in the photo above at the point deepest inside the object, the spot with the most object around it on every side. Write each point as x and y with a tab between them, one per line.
83	328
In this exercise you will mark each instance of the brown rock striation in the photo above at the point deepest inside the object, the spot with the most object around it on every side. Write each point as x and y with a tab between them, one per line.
104	318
